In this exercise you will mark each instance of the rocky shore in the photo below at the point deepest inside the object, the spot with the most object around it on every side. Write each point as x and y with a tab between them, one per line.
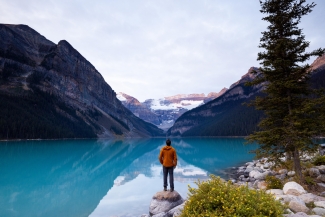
299	201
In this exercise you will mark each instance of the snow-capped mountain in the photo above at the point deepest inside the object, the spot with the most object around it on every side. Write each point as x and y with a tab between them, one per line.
163	112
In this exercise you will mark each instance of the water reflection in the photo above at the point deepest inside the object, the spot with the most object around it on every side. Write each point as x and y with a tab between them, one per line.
101	177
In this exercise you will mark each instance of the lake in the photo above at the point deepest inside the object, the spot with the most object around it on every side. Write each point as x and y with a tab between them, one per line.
104	177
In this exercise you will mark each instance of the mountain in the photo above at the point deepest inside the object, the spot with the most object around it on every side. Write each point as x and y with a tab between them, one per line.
163	112
228	115
223	116
50	90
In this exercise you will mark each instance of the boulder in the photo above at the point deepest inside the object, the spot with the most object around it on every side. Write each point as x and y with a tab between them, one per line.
319	211
321	177
321	186
176	211
291	173
162	214
300	214
254	173
320	204
296	206
321	169
164	201
288	198
314	172
262	176
247	171
293	188
308	198
275	191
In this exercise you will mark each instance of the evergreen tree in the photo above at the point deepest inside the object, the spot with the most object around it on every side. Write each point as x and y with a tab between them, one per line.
294	113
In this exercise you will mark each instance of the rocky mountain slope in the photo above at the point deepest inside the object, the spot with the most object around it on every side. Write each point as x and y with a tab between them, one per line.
163	112
227	115
50	90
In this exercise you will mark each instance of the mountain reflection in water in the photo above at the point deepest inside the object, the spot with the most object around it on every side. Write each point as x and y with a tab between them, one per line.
103	177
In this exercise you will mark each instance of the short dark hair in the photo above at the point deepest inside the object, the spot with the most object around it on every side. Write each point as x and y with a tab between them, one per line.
168	142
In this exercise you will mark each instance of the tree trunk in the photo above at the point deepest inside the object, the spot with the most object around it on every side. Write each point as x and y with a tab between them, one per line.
297	165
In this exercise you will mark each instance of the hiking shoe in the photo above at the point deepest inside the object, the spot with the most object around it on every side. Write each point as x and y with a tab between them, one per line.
165	189
172	189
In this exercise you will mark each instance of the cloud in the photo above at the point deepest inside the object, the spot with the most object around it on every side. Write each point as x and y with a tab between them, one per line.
152	49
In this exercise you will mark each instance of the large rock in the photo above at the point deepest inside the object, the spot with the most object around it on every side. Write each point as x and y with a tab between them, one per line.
293	188
254	173
275	191
319	211
314	172
308	198
321	177
297	206
176	211
262	176
164	201
320	204
288	198
300	214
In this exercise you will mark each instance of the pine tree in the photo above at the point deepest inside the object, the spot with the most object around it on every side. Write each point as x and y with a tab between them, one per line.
294	113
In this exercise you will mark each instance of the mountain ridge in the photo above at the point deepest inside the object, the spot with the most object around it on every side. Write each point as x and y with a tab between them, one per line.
30	63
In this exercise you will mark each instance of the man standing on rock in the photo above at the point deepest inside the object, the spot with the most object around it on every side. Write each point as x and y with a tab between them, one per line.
168	159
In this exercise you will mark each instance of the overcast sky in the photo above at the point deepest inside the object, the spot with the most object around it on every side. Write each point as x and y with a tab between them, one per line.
156	48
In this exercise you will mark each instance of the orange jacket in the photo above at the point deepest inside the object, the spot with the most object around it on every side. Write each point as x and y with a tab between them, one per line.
168	157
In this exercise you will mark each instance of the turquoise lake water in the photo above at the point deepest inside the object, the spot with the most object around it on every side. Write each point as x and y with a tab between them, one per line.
95	178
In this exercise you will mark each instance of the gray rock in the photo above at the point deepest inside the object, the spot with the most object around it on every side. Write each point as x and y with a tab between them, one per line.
291	173
321	169
313	172
266	166
283	171
262	176
309	197
251	179
300	214
281	176
320	204
296	206
319	211
164	201
293	188
288	198
176	211
322	194
162	214
254	173
275	191
247	171
321	177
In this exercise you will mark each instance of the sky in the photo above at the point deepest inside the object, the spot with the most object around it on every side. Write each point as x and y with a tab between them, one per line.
157	48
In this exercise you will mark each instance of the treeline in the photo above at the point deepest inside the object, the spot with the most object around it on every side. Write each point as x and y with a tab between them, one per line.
231	118
36	117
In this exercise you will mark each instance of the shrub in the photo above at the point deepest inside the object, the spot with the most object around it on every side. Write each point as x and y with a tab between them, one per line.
319	160
273	182
217	198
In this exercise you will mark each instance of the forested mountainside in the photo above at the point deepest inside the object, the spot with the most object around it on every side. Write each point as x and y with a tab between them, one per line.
50	90
228	115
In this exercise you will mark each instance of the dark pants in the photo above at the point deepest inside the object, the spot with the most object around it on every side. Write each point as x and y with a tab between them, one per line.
170	171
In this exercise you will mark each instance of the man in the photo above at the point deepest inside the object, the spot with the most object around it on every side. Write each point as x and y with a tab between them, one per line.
168	159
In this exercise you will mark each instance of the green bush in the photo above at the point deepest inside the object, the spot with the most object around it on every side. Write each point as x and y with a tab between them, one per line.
319	160
217	198
273	182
